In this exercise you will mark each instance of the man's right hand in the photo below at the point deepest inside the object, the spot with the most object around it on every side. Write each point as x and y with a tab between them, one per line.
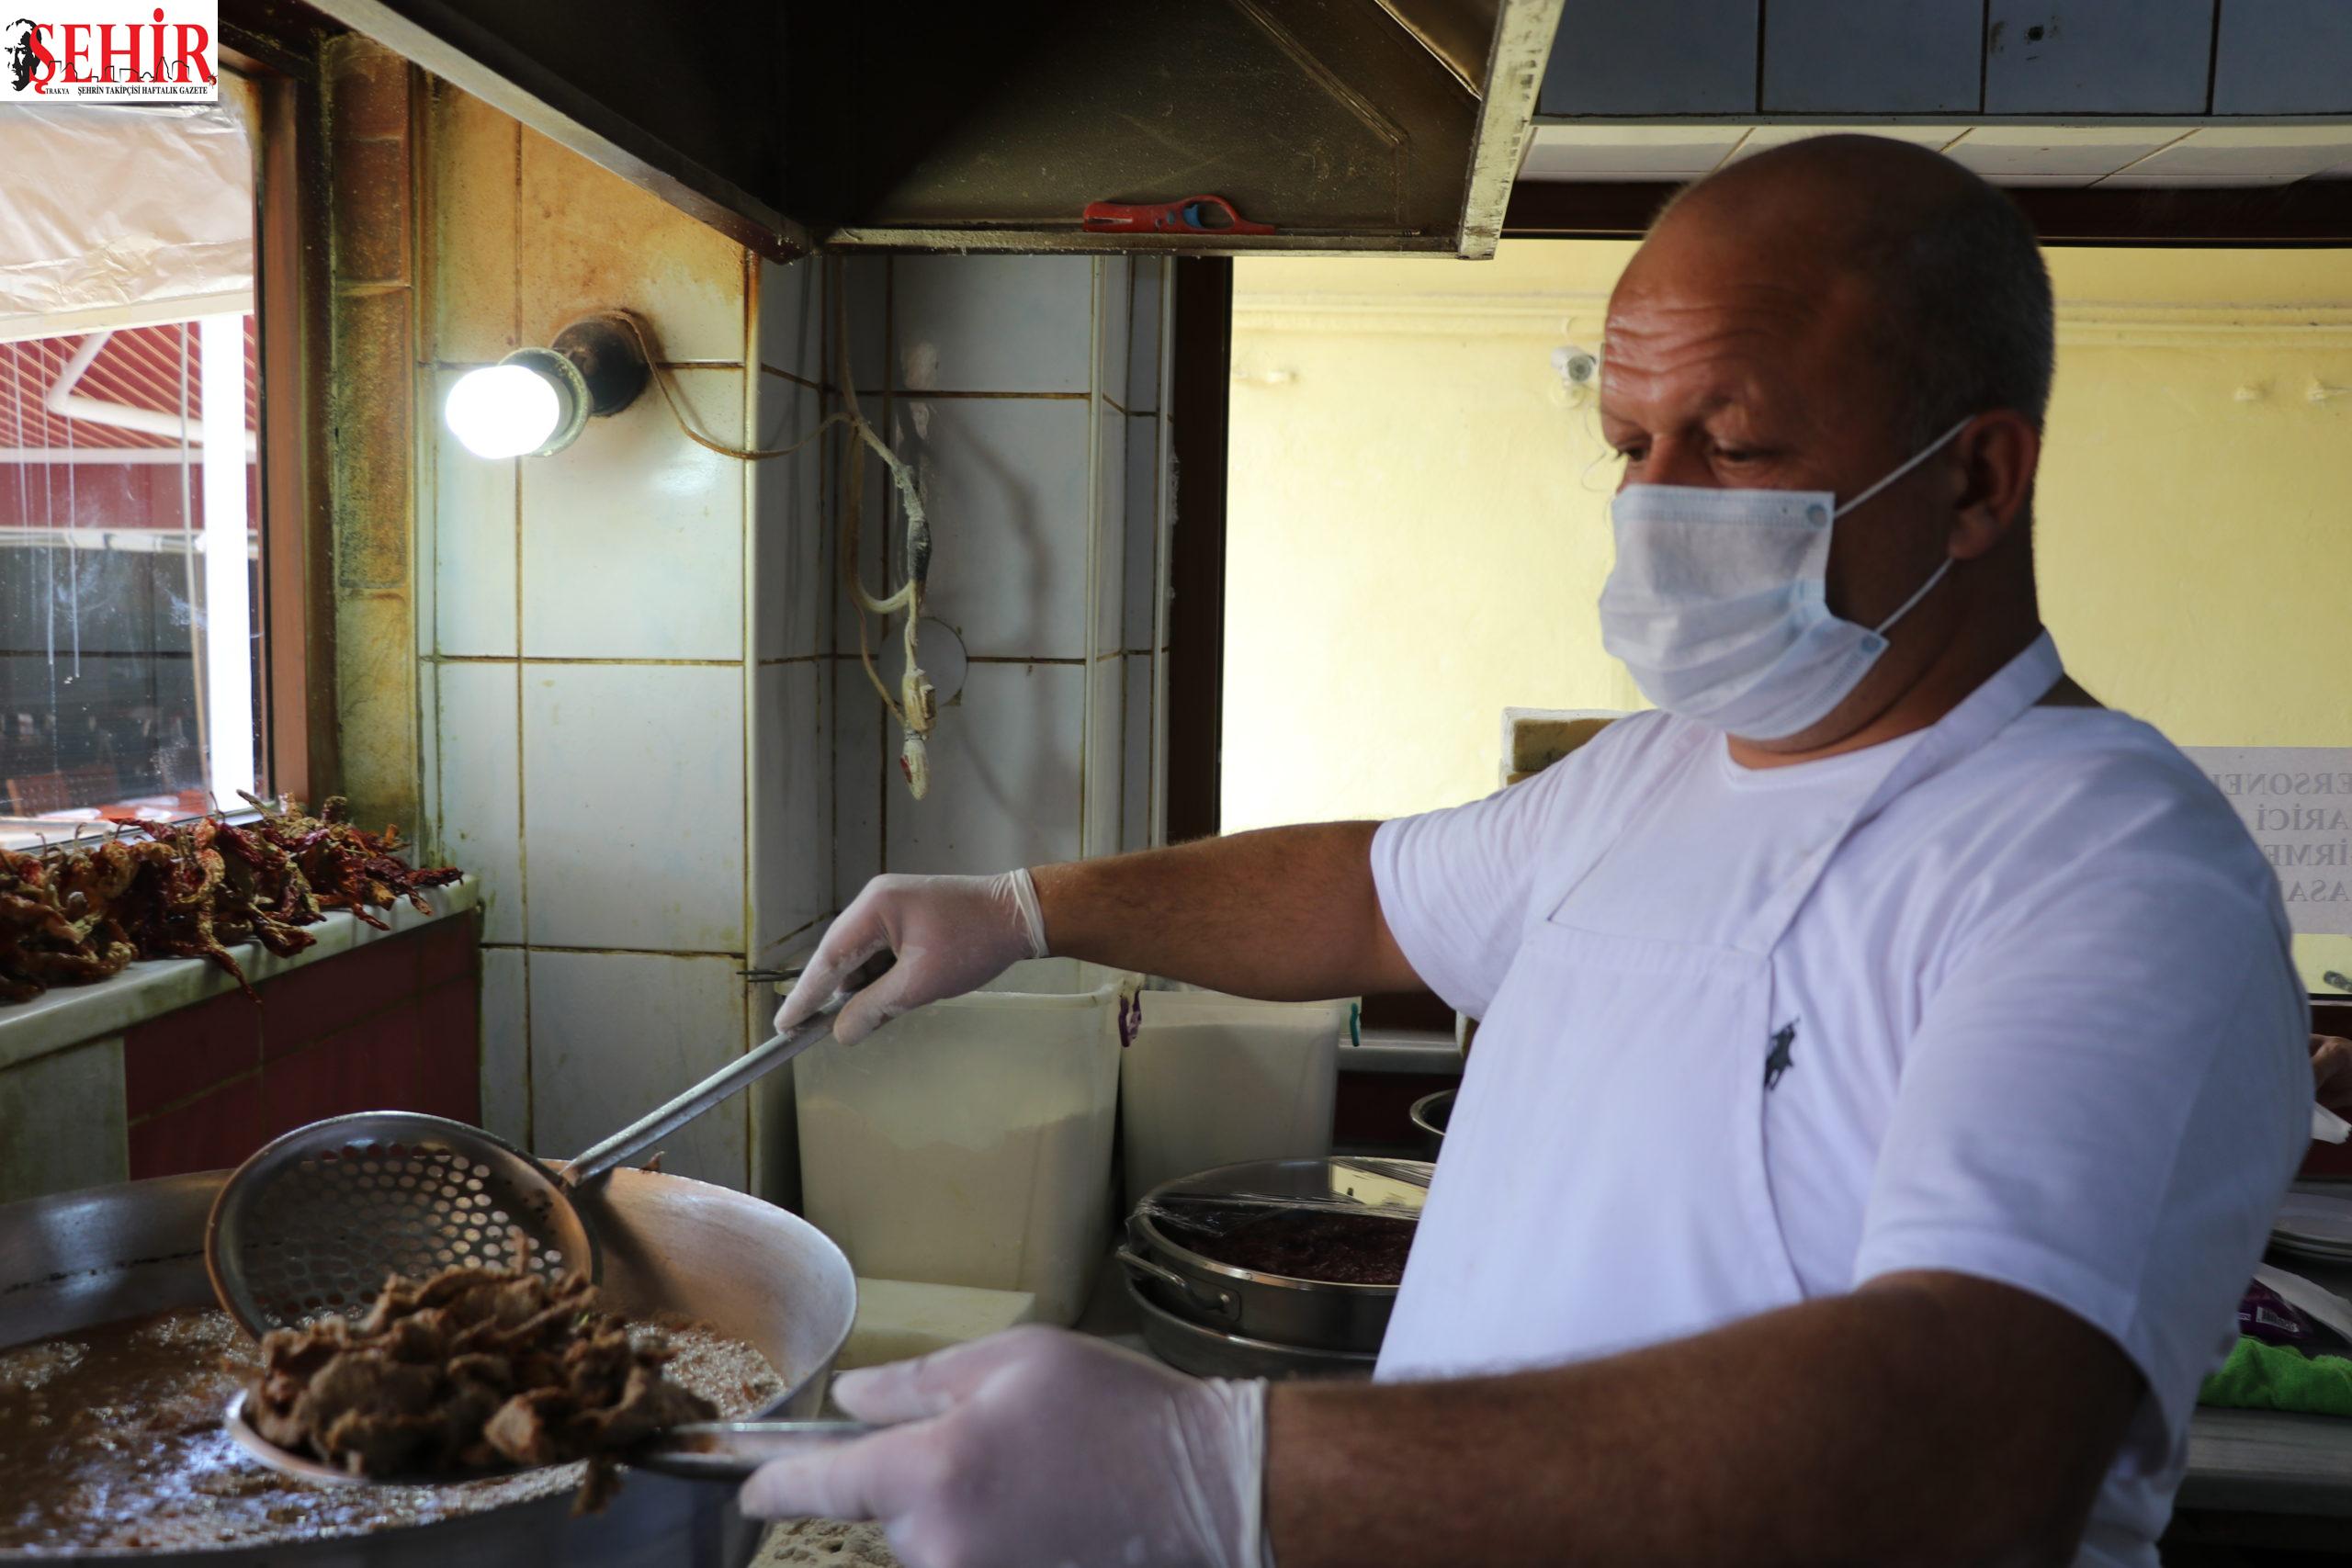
947	934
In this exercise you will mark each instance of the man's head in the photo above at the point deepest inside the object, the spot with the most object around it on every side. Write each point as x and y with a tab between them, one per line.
1810	318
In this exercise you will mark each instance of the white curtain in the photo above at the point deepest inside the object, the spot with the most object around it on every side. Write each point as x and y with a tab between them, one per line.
118	216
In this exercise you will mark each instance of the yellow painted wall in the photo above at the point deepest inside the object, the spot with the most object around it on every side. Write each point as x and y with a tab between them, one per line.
1418	532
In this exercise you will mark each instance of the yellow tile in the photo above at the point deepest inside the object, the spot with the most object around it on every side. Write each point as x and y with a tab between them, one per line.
473	151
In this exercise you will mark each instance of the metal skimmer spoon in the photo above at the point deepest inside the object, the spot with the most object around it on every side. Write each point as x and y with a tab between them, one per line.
313	1222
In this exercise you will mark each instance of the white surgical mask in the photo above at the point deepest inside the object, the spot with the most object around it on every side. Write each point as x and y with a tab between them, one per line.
1718	603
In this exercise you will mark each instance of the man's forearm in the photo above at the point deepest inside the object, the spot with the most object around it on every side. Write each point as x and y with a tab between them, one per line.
1287	914
1949	1422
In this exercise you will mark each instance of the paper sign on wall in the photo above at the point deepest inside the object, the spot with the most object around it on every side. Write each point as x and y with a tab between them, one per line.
2297	802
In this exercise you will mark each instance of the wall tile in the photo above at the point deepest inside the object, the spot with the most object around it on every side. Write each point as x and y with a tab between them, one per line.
63	1113
1113	295
866	280
1663	57
774	1152
881	529
633	537
991	323
473	150
792	798
215	1133
426	836
480	788
2283	57
1139	557
1135	766
448	1067
473	542
792	321
594	242
791	591
1109	590
1145	300
320	1000
169	1058
866	750
633	806
1868	57
374	1065
1006	481
1005	775
1104	792
615	1035
505	1048
2097	56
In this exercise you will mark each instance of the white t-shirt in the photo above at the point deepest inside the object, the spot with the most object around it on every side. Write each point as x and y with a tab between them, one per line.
2049	1033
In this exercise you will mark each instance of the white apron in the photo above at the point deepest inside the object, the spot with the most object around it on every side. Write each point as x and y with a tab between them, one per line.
1603	1182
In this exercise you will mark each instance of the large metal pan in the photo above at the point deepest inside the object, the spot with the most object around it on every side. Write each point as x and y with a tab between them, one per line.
748	1267
1272	1308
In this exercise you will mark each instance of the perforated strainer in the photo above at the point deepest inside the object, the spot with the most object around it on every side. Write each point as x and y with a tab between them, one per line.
314	1222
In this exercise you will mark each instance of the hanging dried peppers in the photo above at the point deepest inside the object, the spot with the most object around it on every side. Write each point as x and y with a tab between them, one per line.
71	916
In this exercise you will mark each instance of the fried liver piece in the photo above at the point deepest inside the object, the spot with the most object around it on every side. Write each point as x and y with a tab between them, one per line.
472	1369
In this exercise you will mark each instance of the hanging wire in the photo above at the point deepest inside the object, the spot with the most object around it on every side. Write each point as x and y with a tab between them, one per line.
916	706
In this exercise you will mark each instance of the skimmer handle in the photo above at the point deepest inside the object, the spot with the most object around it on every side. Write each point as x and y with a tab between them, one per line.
647	1131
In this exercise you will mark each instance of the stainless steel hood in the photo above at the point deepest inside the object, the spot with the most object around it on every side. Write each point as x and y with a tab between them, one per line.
1393	125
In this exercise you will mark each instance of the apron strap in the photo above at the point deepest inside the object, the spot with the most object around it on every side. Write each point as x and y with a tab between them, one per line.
1978	718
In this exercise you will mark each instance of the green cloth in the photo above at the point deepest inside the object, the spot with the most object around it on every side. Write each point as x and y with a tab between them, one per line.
2272	1377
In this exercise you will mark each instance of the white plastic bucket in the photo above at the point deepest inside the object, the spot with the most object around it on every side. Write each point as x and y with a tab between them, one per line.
1214	1080
968	1143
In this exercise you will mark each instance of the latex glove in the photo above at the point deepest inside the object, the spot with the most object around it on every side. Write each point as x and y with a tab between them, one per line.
949	934
1037	1446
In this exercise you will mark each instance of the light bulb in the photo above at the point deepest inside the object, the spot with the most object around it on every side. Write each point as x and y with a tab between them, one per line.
506	411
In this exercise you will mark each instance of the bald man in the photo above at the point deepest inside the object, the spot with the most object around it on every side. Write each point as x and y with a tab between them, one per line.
1889	1059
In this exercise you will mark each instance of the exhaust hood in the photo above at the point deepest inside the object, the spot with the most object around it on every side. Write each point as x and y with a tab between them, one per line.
1382	125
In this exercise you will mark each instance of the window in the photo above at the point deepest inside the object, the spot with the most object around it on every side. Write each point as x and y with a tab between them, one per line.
1416	529
130	501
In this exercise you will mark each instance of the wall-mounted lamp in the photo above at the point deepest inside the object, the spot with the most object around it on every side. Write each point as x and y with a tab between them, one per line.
536	401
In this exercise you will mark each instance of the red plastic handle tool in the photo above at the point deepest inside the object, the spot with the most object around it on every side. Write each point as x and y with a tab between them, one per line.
1192	215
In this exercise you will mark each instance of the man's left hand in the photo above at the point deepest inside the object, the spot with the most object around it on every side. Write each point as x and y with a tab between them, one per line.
1037	1446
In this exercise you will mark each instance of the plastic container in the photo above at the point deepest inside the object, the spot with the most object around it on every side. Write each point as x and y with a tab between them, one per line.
969	1142
1214	1080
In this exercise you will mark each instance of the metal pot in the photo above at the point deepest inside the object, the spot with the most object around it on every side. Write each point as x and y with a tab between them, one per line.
1431	1114
748	1267
1206	1352
1272	1308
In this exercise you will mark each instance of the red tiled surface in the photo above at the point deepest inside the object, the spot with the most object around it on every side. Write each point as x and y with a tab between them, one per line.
449	1078
451	950
312	1003
169	1058
212	1134
370	1067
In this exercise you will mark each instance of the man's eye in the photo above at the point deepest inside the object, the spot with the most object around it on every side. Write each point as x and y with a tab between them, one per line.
1632	454
1737	454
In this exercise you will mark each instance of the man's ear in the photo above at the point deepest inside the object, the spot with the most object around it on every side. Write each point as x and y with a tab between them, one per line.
1997	455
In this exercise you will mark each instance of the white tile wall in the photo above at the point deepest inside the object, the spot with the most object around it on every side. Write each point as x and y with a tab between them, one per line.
64	1114
1136	830
633	537
792	323
634	805
865	766
791	804
1105	747
988	323
1004	774
481	790
1113	289
866	280
506	1049
1005	481
1143	311
1109	590
792	592
615	1035
473	545
1140	518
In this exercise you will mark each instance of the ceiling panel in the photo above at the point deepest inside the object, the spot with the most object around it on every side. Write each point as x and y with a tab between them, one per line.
2005	152
1626	152
1760	137
2254	154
